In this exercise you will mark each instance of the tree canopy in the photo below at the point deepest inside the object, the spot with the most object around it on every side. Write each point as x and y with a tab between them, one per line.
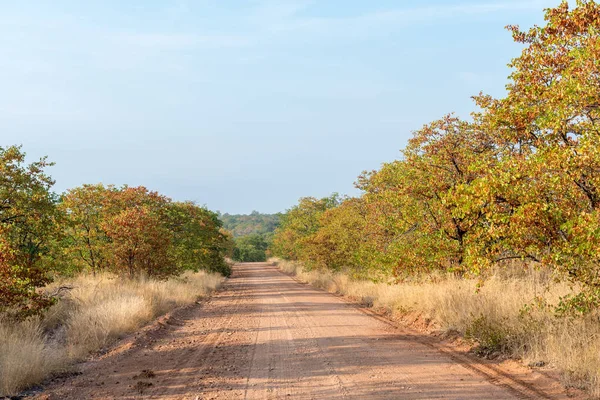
130	231
520	181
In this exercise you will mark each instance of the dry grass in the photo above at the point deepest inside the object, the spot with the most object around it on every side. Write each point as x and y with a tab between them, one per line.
502	316
96	312
25	356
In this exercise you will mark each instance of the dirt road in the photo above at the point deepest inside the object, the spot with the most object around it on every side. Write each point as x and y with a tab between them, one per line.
265	336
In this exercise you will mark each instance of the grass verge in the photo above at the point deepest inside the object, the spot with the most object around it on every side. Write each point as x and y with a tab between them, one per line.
511	314
92	315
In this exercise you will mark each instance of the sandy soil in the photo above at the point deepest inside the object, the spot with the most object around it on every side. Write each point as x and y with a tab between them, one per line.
266	336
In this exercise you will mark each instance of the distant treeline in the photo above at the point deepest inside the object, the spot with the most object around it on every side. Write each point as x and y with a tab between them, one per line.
248	224
252	234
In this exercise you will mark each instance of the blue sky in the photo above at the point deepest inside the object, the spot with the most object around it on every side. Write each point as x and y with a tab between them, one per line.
242	105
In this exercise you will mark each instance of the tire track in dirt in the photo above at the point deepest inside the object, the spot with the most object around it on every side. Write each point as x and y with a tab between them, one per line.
317	351
266	336
376	353
288	354
204	356
520	388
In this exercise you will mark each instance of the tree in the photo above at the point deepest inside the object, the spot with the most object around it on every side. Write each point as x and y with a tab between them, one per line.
298	224
133	230
86	209
521	181
446	159
250	248
199	241
424	213
140	243
547	131
337	243
28	221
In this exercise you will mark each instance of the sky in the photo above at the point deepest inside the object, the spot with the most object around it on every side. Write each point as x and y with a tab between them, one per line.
242	105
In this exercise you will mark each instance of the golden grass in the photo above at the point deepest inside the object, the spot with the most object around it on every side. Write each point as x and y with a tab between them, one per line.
25	356
96	312
503	316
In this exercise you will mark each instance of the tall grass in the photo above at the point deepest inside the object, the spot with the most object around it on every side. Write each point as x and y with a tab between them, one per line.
92	315
510	314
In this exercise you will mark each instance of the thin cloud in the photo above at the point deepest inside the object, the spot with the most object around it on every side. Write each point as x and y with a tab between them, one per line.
180	41
277	11
373	21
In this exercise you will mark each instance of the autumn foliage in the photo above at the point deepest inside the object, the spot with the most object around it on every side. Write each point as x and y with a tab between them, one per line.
519	181
130	231
28	221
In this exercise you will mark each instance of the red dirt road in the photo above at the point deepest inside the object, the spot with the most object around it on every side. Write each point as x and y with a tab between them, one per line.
266	336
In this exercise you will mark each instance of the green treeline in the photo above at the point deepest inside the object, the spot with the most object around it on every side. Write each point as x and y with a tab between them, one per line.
130	231
252	234
251	248
253	223
520	181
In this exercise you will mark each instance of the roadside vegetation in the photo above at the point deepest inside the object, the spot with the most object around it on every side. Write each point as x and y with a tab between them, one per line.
89	317
80	269
489	226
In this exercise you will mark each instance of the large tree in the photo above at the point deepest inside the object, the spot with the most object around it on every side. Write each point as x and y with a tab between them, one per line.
28	223
547	131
